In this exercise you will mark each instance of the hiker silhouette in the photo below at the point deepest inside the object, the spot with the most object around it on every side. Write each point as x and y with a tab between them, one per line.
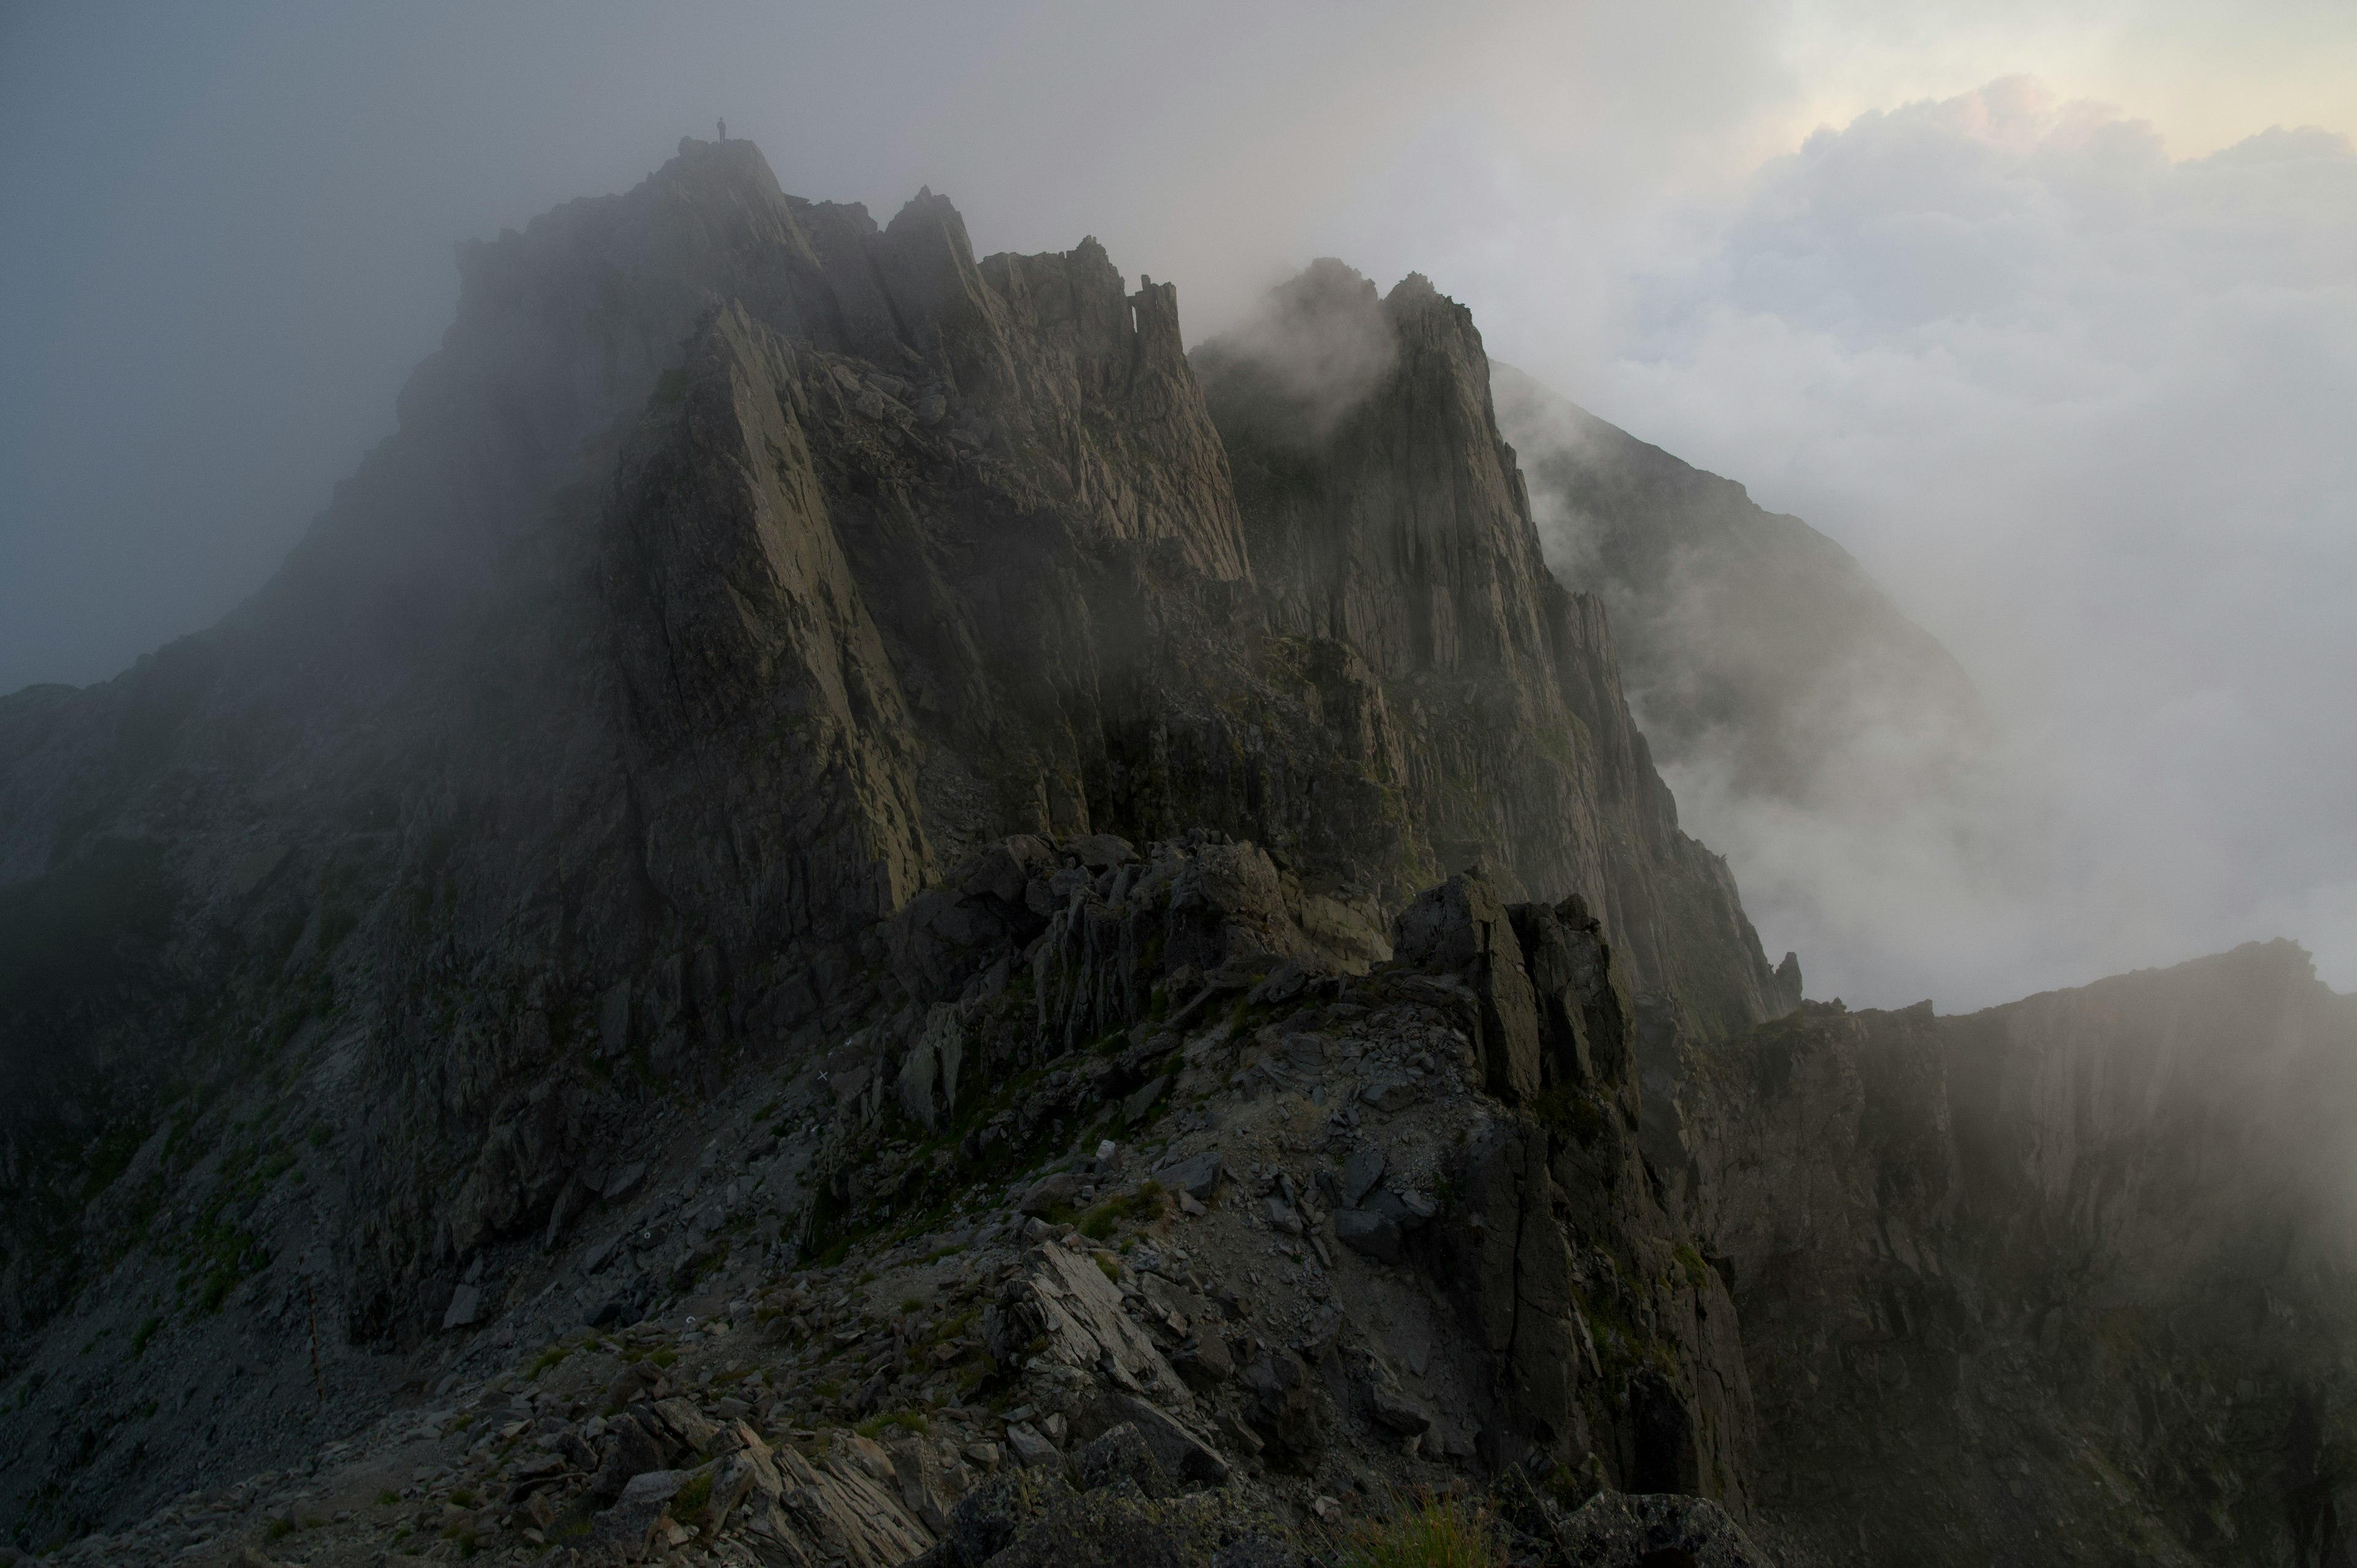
724	128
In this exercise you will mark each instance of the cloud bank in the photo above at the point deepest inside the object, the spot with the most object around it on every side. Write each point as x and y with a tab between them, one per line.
2083	408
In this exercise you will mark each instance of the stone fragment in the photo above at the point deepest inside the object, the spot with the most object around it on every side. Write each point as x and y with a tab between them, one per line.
1100	852
633	1453
1360	1174
930	1486
1656	1530
986	1521
1391	1094
624	1181
1184	1457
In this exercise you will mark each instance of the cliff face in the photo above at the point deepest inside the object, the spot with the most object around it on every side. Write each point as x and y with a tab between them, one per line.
2062	1281
739	572
1385	511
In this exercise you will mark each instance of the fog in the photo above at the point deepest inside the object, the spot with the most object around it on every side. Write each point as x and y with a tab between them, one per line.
2071	380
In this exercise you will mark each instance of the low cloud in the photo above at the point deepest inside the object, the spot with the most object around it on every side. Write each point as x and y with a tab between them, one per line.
2081	408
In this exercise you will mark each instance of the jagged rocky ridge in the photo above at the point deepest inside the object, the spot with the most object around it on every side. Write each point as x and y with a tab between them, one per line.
652	884
738	566
1342	1235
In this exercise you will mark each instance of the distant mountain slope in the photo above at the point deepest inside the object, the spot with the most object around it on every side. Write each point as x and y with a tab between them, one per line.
2064	1280
1750	643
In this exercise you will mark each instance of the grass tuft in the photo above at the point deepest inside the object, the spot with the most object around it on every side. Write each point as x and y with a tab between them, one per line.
1430	1532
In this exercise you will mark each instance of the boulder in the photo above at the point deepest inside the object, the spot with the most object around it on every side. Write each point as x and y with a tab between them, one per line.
631	1452
1028	1448
1370	1234
1121	1454
1281	1406
1049	1192
1204	1363
1062	1296
1397	1410
1198	1177
466	1307
627	1528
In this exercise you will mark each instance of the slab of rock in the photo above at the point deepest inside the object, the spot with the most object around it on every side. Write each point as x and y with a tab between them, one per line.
1063	1297
931	1485
1391	1094
687	1424
1360	1174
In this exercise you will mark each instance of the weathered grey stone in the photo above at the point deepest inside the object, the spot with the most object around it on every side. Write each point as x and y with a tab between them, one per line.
1360	1174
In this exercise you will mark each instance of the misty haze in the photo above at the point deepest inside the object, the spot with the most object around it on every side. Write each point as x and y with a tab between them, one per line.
1552	787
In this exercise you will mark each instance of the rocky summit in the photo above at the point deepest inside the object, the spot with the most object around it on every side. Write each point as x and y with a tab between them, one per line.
846	909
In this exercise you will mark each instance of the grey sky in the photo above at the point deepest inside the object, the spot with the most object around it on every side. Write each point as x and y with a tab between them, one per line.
2074	396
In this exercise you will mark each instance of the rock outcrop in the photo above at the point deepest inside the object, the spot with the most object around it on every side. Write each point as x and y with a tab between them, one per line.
1385	512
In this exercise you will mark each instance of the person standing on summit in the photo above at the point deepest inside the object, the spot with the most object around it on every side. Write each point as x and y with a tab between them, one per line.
724	127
